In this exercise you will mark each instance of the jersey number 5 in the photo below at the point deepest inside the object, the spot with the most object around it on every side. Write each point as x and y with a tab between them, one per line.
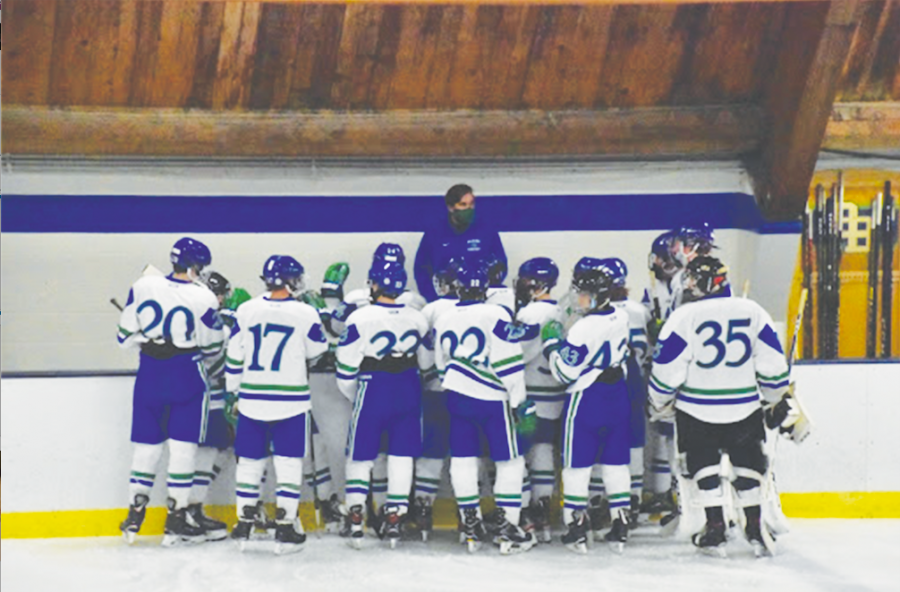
259	333
734	334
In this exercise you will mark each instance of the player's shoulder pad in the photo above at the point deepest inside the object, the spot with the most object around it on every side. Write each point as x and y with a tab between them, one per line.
316	333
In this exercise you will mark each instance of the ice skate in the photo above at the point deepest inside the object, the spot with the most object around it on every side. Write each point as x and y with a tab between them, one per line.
180	528
289	535
575	538
263	525
390	525
635	512
356	521
618	534
659	503
473	529
760	539
511	538
213	530
598	513
711	540
244	528
492	521
331	514
136	513
423	517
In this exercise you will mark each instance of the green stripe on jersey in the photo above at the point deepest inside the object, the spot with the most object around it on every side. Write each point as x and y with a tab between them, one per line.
233	362
346	368
737	391
212	345
482	373
275	387
508	361
773	378
661	383
125	332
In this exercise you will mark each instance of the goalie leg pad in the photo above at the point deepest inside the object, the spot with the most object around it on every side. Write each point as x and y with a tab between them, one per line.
747	487
709	484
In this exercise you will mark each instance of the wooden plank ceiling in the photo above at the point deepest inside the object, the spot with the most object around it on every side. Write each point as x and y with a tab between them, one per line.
225	61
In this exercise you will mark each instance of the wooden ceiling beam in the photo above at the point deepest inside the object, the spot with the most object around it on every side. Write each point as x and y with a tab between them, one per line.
712	131
863	126
508	2
798	102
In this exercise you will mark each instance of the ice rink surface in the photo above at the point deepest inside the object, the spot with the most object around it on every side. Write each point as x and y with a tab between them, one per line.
820	555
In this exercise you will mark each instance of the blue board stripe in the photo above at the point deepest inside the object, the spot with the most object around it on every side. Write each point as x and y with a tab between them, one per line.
252	214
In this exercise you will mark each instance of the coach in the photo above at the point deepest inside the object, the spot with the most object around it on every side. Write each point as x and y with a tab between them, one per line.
462	235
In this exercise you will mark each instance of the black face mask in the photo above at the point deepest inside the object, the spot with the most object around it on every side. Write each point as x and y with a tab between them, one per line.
460	220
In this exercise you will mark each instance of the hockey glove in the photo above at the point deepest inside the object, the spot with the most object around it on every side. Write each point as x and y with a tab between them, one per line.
312	298
653	329
551	337
526	418
658	411
237	297
788	418
231	408
333	284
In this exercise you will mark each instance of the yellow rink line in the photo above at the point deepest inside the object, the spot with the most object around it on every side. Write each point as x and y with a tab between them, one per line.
86	523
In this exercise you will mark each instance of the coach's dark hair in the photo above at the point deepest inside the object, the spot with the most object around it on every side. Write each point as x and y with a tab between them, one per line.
456	193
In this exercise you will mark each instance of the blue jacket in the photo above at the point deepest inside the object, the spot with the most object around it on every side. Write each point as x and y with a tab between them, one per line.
441	243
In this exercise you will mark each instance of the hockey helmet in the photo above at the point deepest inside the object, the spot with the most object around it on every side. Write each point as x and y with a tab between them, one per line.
190	253
390	253
704	276
593	277
283	271
390	277
619	270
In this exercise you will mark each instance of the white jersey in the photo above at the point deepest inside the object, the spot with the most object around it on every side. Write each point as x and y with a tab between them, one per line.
215	370
267	355
477	353
433	311
546	392
665	294
716	356
502	296
378	331
638	319
167	310
597	341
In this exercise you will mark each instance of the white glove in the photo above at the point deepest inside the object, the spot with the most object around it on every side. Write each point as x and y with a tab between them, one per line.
658	411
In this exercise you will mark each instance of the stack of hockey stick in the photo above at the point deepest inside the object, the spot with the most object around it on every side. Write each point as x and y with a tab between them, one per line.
881	261
823	249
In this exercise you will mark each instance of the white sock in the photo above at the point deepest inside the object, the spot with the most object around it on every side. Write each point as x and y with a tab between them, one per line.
575	491
636	467
428	477
181	471
526	488
400	478
508	487
322	483
203	473
144	460
358	478
661	466
380	481
617	480
289	475
464	477
596	487
249	475
540	468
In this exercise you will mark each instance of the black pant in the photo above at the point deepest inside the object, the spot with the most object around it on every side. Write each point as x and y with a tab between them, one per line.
703	443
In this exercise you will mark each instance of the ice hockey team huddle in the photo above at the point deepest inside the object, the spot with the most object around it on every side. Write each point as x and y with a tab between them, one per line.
514	387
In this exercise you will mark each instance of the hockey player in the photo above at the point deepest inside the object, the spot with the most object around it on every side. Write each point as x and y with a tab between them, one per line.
272	340
498	292
460	234
377	361
718	358
591	361
692	241
213	450
435	418
173	320
481	364
536	278
638	320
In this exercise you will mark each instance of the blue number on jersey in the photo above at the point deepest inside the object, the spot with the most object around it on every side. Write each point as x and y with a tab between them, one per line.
258	334
734	334
166	319
391	340
573	355
474	332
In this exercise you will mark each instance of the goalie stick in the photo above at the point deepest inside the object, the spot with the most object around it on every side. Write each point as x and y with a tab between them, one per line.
872	279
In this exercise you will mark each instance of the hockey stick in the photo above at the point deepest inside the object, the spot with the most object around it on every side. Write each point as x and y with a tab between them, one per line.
115	303
746	291
889	234
872	280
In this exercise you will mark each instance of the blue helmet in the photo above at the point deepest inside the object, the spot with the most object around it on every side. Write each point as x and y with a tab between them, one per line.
189	252
472	274
390	277
283	271
390	252
444	278
593	276
540	270
619	270
697	239
662	263
497	269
